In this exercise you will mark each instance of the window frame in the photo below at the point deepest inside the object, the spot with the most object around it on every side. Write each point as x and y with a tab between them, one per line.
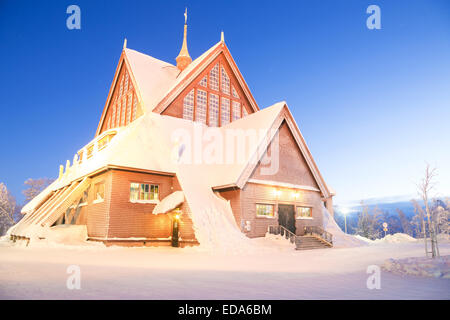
96	189
298	217
271	205
136	197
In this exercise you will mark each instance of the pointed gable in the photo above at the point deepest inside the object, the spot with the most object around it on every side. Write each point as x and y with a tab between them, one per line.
143	77
122	106
220	94
292	165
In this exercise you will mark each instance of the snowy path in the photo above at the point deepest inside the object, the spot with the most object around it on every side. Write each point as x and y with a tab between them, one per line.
169	273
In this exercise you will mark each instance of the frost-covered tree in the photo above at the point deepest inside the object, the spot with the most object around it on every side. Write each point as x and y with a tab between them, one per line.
425	188
441	212
368	224
35	186
7	208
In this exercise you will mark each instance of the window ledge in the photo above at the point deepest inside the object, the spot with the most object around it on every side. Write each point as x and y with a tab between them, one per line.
304	218
98	201
265	217
145	201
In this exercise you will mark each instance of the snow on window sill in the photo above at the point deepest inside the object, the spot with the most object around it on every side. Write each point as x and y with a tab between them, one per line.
265	217
82	204
304	218
98	201
145	201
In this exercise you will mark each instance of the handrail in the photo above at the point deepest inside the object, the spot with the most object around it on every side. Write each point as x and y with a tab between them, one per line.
320	232
283	232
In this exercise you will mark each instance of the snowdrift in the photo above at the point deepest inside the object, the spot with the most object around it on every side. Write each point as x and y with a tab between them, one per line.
390	238
396	238
423	266
340	238
213	221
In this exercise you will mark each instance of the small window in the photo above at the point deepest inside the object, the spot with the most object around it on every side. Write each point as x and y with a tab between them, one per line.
264	210
80	157
303	212
103	142
99	190
143	191
90	151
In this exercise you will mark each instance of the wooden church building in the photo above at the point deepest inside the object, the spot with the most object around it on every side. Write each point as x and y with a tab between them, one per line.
160	170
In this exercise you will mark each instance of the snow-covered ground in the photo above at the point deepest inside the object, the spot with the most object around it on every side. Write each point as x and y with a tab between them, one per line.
274	270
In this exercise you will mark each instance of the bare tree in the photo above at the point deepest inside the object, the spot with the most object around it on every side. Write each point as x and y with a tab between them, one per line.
35	186
425	187
406	225
421	226
7	207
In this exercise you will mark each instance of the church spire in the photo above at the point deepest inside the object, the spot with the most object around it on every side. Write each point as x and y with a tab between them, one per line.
183	59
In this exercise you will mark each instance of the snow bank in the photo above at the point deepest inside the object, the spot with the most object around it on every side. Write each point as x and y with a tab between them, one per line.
213	221
340	238
395	238
425	267
67	234
170	202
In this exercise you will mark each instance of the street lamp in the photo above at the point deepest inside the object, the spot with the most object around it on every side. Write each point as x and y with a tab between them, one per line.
345	211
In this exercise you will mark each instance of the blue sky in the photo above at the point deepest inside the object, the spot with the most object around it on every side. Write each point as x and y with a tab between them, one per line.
373	105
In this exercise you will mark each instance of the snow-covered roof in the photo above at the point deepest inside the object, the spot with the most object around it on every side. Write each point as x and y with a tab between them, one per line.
152	143
153	77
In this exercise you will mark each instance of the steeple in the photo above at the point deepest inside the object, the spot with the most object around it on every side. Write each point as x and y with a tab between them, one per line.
183	59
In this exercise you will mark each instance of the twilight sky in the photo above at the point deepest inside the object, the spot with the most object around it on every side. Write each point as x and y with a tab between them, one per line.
373	105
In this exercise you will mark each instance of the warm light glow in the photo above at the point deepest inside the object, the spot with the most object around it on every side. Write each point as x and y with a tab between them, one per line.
295	195
177	217
276	192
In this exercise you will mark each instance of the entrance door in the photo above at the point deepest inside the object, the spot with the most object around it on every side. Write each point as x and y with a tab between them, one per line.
286	216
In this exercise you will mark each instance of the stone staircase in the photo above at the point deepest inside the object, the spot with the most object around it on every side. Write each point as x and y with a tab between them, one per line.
314	238
310	242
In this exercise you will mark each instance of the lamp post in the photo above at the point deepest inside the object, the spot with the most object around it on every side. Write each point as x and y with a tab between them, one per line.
345	211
